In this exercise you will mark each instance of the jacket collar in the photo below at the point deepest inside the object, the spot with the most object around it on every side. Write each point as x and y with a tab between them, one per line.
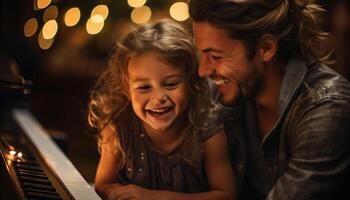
294	75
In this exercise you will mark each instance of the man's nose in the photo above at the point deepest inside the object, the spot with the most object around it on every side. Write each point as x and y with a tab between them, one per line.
205	67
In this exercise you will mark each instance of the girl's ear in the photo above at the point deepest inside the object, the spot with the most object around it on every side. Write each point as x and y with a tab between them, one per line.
268	46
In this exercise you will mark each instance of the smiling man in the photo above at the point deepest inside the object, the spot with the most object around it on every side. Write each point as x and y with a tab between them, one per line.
286	114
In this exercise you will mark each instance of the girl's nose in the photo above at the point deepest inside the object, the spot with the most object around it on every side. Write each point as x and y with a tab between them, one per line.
160	96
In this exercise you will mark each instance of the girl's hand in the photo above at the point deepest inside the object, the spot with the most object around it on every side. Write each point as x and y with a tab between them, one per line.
133	192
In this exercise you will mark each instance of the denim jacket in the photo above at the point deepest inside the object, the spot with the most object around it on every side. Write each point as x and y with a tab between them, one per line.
307	152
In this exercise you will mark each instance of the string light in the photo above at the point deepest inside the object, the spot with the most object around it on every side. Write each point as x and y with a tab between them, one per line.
141	15
136	3
101	10
40	4
30	27
50	29
50	13
72	16
44	43
179	11
93	27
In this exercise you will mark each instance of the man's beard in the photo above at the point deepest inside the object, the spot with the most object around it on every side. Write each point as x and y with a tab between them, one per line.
249	87
252	88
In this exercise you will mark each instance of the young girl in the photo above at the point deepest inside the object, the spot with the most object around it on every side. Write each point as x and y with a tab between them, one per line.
157	139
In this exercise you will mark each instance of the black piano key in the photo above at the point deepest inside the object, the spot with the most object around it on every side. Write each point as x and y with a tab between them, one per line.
26	185
26	161
40	191
26	173
28	167
39	173
34	179
39	195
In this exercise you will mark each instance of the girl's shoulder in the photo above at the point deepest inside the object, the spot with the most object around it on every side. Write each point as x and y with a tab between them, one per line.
209	132
108	138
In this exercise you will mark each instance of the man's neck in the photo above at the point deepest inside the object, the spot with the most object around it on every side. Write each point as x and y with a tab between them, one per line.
267	100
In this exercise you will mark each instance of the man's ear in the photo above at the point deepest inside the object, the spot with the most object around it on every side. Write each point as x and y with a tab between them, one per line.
268	46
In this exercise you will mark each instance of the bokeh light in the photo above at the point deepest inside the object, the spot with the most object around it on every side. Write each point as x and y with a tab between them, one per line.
44	43
50	29
93	27
40	4
50	13
100	10
97	18
141	15
136	3
72	16
179	11
30	27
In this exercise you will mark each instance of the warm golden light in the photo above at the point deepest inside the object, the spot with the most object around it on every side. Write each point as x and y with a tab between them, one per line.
50	13
20	155
35	4
93	27
72	16
136	3
50	29
179	11
100	10
30	27
97	18
141	15
44	43
13	152
43	3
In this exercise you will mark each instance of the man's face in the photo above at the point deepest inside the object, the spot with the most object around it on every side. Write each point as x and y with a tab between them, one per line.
224	60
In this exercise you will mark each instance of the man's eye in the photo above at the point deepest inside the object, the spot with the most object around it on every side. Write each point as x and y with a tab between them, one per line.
215	57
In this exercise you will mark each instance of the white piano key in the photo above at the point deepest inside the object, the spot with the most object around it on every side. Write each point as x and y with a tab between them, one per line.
55	158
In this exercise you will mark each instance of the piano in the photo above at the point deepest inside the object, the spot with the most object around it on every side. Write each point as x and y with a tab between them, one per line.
32	166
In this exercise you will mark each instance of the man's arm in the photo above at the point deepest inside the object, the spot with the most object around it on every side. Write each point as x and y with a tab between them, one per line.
319	150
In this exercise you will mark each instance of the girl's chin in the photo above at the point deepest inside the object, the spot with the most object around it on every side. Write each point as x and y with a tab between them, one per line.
160	126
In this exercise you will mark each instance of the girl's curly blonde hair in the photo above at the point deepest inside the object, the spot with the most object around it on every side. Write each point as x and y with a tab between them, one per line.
109	99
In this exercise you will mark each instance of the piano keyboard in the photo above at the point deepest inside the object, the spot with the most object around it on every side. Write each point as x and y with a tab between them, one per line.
31	177
38	167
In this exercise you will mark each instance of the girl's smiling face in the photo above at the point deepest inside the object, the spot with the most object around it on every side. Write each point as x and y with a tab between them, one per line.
158	92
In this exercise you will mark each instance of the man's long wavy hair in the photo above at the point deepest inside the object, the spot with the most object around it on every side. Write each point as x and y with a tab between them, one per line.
109	100
295	23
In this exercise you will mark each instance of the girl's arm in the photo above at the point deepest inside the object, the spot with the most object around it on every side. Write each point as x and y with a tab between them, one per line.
106	174
219	173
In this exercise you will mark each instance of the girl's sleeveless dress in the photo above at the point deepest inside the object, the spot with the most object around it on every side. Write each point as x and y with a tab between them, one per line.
152	169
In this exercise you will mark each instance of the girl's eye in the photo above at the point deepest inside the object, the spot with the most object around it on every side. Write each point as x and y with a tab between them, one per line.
143	88
172	85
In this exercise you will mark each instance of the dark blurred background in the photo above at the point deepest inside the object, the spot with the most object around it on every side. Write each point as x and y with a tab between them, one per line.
62	46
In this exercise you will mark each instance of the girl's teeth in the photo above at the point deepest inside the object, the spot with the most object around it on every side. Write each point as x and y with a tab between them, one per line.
159	110
156	110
